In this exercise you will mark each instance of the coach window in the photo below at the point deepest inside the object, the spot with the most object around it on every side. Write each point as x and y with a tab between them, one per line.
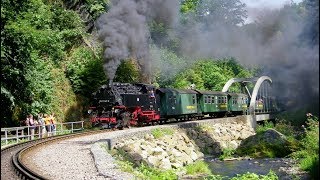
205	99
193	99
209	99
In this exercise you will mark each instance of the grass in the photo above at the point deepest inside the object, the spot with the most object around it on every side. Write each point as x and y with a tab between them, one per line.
160	132
252	176
262	128
13	141
156	174
198	167
227	153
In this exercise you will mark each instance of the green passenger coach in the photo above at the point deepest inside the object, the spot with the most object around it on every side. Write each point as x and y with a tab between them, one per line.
178	102
237	103
212	103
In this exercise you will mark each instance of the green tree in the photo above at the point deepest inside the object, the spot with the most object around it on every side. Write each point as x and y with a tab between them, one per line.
35	36
211	75
127	72
230	12
85	71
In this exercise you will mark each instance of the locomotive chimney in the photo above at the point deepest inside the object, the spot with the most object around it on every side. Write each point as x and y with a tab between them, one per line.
110	82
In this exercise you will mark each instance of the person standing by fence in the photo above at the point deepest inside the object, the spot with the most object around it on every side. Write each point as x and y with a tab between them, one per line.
42	129
31	124
53	124
47	124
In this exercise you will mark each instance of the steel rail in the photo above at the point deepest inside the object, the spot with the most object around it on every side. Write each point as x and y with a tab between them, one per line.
24	172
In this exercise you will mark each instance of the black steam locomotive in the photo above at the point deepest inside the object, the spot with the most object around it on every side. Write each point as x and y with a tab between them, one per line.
137	101
128	104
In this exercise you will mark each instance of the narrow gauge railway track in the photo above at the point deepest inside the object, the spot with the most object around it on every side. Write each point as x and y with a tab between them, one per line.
12	166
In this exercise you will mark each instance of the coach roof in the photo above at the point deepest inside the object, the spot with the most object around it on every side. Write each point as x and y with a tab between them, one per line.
211	92
181	91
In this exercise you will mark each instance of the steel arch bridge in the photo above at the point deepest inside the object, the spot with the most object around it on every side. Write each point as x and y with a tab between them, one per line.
260	93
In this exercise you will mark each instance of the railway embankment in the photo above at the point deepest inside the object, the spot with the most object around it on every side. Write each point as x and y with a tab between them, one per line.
174	146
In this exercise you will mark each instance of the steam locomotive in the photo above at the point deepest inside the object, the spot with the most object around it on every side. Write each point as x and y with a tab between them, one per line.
124	104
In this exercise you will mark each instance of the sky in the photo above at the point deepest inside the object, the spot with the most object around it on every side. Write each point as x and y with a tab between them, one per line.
267	3
254	6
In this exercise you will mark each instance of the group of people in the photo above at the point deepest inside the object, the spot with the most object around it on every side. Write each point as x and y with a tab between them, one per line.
44	123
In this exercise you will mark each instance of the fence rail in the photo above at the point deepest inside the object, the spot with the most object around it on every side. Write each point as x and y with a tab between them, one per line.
24	133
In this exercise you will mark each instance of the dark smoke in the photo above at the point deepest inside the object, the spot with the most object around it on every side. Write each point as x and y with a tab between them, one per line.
124	31
280	41
274	42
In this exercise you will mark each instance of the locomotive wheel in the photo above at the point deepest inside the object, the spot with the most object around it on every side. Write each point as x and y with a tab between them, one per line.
140	123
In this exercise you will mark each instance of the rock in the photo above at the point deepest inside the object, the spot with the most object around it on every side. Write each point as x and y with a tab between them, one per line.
157	151
136	157
185	138
152	161
165	164
272	136
176	165
148	137
233	145
193	155
175	152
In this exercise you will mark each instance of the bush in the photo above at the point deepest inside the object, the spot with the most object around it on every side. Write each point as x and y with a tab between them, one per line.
270	176
308	154
199	167
227	153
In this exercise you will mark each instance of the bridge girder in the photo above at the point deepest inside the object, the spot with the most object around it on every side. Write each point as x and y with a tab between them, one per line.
256	88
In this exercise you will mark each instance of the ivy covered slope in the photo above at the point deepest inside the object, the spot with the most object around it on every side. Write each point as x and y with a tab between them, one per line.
47	65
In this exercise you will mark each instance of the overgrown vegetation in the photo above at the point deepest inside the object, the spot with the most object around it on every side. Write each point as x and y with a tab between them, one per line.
160	132
198	167
270	176
227	153
303	144
308	153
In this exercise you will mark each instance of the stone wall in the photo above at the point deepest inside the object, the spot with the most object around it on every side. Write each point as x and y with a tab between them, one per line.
189	142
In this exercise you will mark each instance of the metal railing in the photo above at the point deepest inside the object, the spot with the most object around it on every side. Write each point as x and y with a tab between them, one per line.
25	133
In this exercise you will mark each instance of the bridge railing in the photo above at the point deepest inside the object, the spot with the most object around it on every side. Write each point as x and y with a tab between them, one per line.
24	133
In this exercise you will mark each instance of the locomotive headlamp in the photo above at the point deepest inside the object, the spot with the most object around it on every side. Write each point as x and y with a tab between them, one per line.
89	111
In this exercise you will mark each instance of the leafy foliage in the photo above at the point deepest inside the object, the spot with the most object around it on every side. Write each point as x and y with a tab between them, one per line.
227	153
198	167
85	71
127	72
189	5
211	75
34	39
218	11
165	64
270	176
160	132
309	151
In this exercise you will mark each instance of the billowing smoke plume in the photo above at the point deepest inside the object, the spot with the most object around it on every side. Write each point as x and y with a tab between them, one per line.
124	31
275	42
